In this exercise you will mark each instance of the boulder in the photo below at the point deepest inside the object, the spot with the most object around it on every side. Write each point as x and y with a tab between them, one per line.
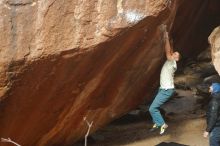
214	40
63	61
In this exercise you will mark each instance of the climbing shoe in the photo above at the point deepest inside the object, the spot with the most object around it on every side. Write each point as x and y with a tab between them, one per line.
155	127
163	129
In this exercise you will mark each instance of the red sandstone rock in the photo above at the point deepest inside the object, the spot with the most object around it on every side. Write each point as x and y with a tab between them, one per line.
214	40
65	60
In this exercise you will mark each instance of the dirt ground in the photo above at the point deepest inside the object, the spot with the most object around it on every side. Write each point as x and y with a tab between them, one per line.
187	132
184	116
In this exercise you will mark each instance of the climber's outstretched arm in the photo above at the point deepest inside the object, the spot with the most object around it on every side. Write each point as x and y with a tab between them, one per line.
168	48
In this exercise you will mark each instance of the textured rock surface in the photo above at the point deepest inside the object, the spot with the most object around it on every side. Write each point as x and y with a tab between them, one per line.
63	60
214	40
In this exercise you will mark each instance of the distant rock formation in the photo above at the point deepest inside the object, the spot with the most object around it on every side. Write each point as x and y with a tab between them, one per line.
214	40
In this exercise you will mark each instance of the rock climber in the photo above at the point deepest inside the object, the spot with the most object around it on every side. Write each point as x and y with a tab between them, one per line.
166	89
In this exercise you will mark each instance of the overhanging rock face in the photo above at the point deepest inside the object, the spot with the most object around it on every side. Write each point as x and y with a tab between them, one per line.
214	40
61	61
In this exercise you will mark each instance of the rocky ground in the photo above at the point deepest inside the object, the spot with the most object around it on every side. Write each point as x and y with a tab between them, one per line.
184	112
187	132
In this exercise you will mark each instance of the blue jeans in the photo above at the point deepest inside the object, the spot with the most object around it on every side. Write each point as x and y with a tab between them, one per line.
161	97
214	137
